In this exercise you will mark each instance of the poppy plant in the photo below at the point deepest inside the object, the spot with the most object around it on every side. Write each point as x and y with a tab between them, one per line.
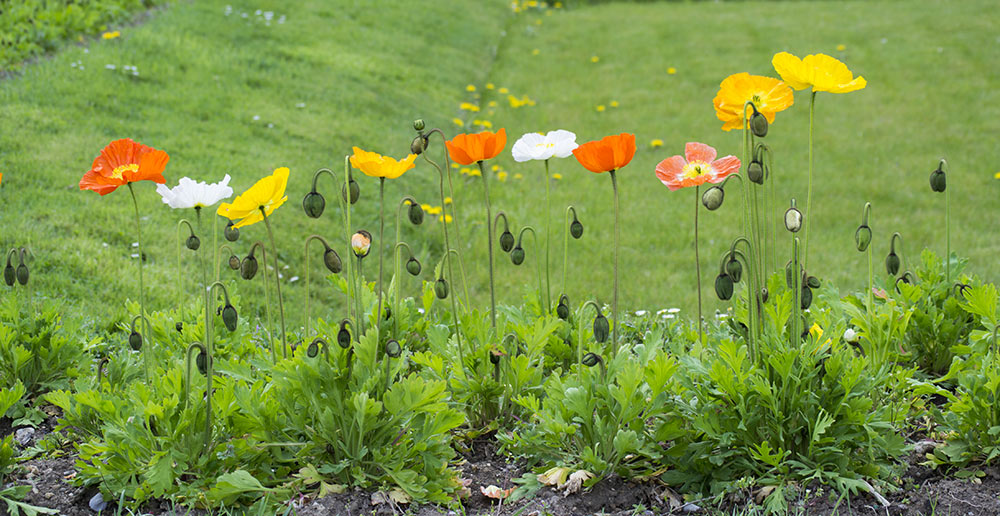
822	73
466	149
696	167
609	154
193	194
767	94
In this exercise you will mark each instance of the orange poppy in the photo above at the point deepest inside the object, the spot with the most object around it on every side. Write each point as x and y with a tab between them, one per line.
466	149
696	167
768	95
607	154
122	162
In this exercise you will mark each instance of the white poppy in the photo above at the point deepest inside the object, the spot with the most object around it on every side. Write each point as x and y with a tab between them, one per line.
850	335
192	194
559	144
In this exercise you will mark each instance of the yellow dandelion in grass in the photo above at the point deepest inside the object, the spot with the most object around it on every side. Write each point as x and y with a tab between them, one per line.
557	176
445	218
535	52
468	171
600	108
518	176
495	168
435	210
538	21
503	91
594	59
426	207
614	103
492	103
557	5
468	106
454	165
483	123
490	86
671	70
841	48
111	35
502	176
997	175
458	121
447	200
471	87
656	142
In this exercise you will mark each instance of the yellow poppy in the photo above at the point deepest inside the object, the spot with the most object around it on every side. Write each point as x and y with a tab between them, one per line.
377	165
819	71
261	199
769	95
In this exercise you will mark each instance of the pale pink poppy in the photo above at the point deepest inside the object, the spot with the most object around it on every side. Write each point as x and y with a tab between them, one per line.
697	167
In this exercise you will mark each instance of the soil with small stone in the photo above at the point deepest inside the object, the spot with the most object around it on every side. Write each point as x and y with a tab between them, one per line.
930	493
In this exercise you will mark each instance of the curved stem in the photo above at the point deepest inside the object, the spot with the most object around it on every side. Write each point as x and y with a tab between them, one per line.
187	384
180	276
209	356
489	246
809	188
548	238
446	171
397	279
697	265
142	291
579	340
310	238
569	209
277	281
538	267
892	247
267	299
218	263
614	306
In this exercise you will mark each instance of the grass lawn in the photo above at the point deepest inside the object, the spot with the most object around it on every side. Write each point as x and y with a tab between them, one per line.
224	93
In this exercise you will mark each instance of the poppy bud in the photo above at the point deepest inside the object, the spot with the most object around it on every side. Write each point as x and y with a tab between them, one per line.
9	274
441	288
713	197
230	317
234	262
724	287
393	349
179	327
418	124
734	269
807	297
576	228
812	282
135	340
764	294
494	357
793	219
416	214
332	261
413	266
938	180
590	359
517	255
231	232
562	309
193	242
202	362
248	268
313	349
22	274
892	263
417	145
758	124
355	191
755	172
361	243
601	328
789	275
506	241
863	237
313	204
344	337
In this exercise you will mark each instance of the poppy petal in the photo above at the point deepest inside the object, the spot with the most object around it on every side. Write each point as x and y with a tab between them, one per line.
695	151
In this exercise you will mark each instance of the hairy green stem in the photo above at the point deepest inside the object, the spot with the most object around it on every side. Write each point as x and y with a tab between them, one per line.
489	246
277	282
614	306
697	265
142	291
548	238
809	188
381	233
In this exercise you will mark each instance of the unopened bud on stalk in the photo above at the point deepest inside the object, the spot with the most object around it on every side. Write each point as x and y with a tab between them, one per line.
313	349
313	204
413	266
234	262
755	172
576	228
393	349
135	340
807	297
417	145
758	124
22	273
343	336
416	214
724	287
361	243
517	255
591	359
9	276
355	191
892	263
506	241
713	197
793	219
441	288
230	317
332	261
193	242
418	124
734	269
231	232
248	267
601	328
495	356
202	362
812	282
179	327
939	181
562	309
764	294
863	237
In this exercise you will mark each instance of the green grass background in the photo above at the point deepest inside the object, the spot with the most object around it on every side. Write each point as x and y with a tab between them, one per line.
364	70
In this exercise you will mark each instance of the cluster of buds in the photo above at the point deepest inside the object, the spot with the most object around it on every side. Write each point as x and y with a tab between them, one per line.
19	274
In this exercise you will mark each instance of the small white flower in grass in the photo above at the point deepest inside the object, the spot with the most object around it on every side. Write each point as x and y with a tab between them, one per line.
850	335
193	194
110	66
256	118
673	310
558	144
640	313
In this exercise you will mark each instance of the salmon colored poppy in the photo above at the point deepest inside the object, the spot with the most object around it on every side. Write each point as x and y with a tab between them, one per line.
122	162
819	71
607	154
376	165
265	196
467	149
696	167
768	95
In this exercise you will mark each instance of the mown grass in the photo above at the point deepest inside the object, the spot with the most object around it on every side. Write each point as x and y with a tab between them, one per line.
363	72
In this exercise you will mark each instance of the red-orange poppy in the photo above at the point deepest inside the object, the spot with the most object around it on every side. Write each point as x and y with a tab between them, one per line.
122	162
607	154
696	167
466	149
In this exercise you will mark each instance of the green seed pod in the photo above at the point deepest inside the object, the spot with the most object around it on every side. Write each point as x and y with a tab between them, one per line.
344	337
892	263
441	288
418	124
755	172
562	309
135	340
713	197
231	232
863	237
807	297
193	242
506	241
413	266
939	182
590	359
9	276
758	124
601	328
576	228
179	327
248	268
313	349
393	349
724	287
355	191
230	317
332	261
417	145
202	362
812	282
234	262
22	274
416	214
313	204
793	219
517	255
734	269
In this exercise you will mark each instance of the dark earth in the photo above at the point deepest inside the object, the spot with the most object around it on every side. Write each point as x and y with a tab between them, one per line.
930	493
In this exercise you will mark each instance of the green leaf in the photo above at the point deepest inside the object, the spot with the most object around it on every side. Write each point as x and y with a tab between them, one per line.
231	486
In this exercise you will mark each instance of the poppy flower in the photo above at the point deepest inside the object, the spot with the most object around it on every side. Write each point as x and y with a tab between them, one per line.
697	167
819	71
122	162
193	194
607	154
376	165
538	146
467	149
768	95
261	199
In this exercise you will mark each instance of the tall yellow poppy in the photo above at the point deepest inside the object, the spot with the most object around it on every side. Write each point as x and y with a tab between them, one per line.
261	199
819	71
376	165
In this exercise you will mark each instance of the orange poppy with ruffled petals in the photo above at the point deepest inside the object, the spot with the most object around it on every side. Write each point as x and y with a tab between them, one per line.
607	154
696	167
122	162
466	149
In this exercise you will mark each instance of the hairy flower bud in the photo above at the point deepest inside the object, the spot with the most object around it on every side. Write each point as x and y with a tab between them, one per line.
713	197
517	255
939	181
758	124
562	309
416	214
355	191
863	237
313	349
755	172
793	219
441	288
22	274
9	276
734	269
576	228
892	263
417	145
343	336
230	317
590	359
506	241
724	287
764	294
313	204
807	297
413	266
248	267
179	327
812	282
361	243
231	232
202	362
234	262
418	124
193	242
393	349
601	328
332	261
135	340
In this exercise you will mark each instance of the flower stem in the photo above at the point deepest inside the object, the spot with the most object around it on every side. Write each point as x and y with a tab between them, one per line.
142	294
277	282
381	232
548	237
489	229
809	188
566	247
697	265
947	233
614	305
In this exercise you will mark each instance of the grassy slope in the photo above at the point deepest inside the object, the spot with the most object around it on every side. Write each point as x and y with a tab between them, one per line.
364	71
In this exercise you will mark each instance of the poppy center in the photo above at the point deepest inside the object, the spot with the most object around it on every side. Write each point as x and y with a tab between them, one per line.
118	172
545	145
757	100
696	169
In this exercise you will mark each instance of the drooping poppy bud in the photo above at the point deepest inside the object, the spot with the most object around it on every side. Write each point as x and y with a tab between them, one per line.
562	309
495	356
441	288
388	312
713	197
601	328
231	232
517	255
9	276
313	349
793	219
248	267
343	336
734	269
313	204
332	261
230	317
506	241
724	287
939	181
764	294
355	191
393	349
418	124
416	214
234	262
135	340
413	266
758	124
807	297
755	172
361	243
812	282
417	145
22	273
202	362
193	242
863	237
892	263
590	359
576	228
179	327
